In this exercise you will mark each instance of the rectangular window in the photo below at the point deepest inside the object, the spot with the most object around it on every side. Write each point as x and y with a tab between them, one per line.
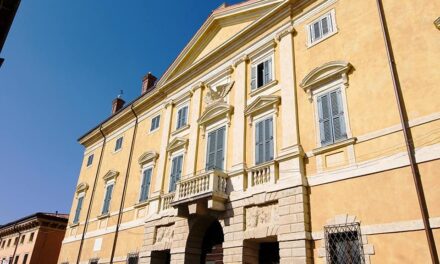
176	172
9	242
93	261
321	28
261	73
344	244
182	117
331	117
107	198
133	258
78	209
25	259
22	239
145	187
118	144
155	123
216	148
3	243
16	241
16	260
31	238
90	160
264	146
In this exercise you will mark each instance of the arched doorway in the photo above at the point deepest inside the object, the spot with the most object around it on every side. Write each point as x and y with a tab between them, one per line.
204	243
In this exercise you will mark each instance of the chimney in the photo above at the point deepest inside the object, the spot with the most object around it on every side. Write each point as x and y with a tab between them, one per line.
148	82
117	104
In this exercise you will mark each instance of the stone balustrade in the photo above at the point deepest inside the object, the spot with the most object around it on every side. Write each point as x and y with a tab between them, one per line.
167	199
262	174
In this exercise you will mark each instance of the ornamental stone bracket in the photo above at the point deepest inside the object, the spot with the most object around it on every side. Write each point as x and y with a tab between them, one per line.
346	219
82	187
262	102
147	157
110	175
325	73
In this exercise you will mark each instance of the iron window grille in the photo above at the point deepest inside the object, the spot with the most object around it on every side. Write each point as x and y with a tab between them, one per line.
343	244
133	258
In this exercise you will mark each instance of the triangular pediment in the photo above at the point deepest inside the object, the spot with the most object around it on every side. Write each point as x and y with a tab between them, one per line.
111	174
214	111
177	143
262	102
224	23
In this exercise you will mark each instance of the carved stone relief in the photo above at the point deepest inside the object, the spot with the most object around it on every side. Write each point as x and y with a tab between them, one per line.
258	216
164	233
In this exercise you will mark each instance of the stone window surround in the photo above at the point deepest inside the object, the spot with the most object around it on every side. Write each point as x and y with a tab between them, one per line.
335	30
179	103
341	220
257	56
222	123
150	131
146	161
261	117
109	178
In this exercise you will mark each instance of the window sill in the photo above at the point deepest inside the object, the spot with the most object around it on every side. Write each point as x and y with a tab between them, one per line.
180	129
334	146
263	88
141	204
103	216
74	225
311	44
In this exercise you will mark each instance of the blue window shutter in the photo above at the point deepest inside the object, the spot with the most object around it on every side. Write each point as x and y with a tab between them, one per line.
185	115
253	77
219	156
173	176
324	120
316	31
210	158
268	71
145	185
259	142
108	197
325	27
337	112
179	118
268	134
78	209
179	168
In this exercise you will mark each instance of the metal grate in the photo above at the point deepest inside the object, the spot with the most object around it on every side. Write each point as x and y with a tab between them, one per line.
343	244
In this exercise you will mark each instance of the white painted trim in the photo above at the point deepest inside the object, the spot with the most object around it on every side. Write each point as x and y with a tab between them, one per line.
151	131
314	11
178	108
394	161
93	147
261	117
334	28
393	227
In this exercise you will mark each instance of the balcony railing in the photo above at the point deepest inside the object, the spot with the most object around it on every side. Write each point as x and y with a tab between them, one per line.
166	200
209	185
262	174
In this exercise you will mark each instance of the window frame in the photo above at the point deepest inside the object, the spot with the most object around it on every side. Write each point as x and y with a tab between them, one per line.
115	150
108	183
178	108
146	167
82	195
214	127
31	237
340	229
327	88
172	157
254	64
158	124
90	159
259	118
333	29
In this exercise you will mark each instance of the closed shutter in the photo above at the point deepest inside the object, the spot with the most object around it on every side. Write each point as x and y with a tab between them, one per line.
253	77
324	120
316	31
184	115
145	185
337	115
259	142
219	156
176	170
108	197
268	71
325	26
78	209
268	139
210	159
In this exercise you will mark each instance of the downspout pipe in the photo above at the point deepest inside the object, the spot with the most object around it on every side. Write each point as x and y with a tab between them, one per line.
86	223
407	134
124	191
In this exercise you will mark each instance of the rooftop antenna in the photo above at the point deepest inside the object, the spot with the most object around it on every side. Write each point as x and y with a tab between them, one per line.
121	92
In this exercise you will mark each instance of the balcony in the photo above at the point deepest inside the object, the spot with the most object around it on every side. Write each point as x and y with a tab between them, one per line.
262	174
209	187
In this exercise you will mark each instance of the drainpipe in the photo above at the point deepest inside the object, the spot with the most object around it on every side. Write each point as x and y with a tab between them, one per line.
86	223
407	134
18	241
127	174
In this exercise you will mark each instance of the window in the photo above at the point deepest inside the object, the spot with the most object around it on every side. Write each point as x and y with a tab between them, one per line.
93	261
331	117
118	144
3	243
16	260
133	258
78	208
16	241
107	198
9	242
25	258
155	123
343	244
215	149
182	117
322	28
145	187
264	141
90	160
261	73
22	239
31	238
176	171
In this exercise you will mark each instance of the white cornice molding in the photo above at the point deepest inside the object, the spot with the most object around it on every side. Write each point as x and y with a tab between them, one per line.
325	73
214	111
221	74
266	47
286	32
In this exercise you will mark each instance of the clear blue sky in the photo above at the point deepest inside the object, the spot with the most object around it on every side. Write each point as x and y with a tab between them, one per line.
64	63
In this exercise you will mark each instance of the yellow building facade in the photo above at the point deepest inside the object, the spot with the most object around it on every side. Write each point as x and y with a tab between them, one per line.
274	137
